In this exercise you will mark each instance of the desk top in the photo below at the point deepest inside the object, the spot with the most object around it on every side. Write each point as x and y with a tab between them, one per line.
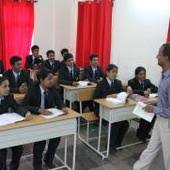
38	120
69	87
109	105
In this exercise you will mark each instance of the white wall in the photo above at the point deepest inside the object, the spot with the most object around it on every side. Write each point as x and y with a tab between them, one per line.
139	28
55	25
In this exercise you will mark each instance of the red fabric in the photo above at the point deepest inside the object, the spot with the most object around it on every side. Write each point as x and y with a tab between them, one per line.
16	26
94	32
168	37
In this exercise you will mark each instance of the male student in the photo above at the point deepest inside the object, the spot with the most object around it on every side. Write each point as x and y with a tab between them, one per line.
142	86
63	52
8	104
18	78
69	73
160	138
40	97
51	63
111	85
1	67
35	54
93	72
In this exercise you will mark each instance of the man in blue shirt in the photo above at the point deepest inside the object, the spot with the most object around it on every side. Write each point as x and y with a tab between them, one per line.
160	139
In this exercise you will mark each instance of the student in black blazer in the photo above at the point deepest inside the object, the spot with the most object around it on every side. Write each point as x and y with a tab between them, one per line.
142	86
30	58
93	72
63	52
40	97
69	73
8	104
51	63
18	78
1	67
111	85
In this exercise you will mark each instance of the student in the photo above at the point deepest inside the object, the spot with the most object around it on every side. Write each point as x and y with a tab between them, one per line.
93	72
46	97
142	86
7	103
51	63
69	73
30	58
18	78
63	52
111	85
159	142
1	67
34	70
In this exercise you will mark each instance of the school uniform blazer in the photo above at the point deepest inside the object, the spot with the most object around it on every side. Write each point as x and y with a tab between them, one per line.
65	76
88	74
32	100
29	61
139	89
8	104
103	88
23	78
53	69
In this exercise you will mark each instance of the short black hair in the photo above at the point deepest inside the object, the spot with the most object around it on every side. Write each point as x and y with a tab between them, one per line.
166	50
50	51
92	56
2	79
34	47
139	69
15	59
43	73
64	50
67	56
111	67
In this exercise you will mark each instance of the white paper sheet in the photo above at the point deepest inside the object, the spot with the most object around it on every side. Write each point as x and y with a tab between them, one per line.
141	113
83	83
55	113
120	99
10	118
153	95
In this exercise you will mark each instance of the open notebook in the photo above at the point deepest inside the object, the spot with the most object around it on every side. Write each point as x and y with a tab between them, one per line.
10	118
120	99
141	113
55	113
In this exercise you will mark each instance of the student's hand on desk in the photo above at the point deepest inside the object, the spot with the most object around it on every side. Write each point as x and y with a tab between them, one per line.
75	83
149	108
65	110
147	92
44	112
28	116
129	90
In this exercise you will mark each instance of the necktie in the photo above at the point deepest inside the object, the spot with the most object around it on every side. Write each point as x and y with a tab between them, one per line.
46	99
17	79
112	84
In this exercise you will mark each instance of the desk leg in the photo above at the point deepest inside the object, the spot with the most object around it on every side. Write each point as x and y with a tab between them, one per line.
108	139
65	152
64	95
100	129
74	152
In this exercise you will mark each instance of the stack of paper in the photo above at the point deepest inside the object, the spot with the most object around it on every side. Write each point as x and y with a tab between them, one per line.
120	99
141	113
10	118
83	83
153	95
55	113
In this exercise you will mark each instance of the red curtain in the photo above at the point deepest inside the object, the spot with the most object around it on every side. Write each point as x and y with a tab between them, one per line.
94	31
16	26
168	37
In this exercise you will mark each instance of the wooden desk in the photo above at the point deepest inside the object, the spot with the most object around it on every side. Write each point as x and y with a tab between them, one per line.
39	129
111	113
19	97
71	92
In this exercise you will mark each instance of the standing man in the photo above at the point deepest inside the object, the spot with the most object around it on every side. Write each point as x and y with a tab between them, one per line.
160	139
